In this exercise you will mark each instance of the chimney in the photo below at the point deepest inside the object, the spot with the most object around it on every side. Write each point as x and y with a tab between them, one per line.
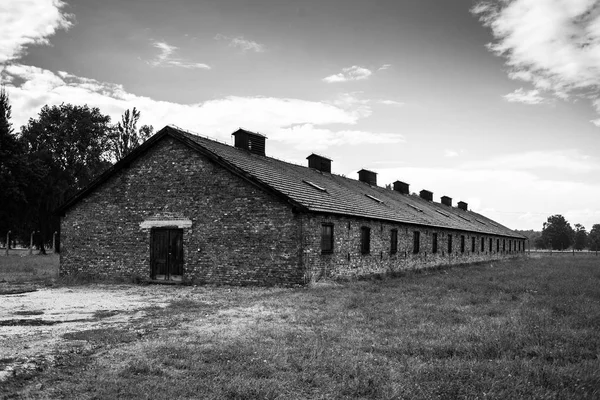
401	187
462	205
447	201
321	163
369	177
253	142
426	194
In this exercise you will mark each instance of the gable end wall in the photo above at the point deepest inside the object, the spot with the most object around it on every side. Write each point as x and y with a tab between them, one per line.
239	234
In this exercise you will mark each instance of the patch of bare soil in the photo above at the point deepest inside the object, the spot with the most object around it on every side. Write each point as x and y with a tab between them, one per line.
37	326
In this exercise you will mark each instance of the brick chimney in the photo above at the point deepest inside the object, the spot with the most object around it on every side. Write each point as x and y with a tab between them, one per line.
462	205
318	162
447	201
251	141
401	187
367	176
426	194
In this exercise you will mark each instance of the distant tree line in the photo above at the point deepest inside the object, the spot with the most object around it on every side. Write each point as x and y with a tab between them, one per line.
52	157
557	234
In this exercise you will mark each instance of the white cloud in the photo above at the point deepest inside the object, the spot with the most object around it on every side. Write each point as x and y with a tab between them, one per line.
29	22
524	96
384	67
554	45
310	137
391	103
166	59
450	153
293	121
353	73
241	43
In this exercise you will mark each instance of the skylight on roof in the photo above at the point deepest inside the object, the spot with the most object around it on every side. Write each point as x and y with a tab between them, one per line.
416	208
322	189
466	219
480	221
443	213
374	198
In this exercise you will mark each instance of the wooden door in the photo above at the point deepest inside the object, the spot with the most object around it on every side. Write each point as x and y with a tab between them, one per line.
166	254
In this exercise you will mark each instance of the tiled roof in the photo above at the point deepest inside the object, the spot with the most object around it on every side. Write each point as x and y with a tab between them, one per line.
329	193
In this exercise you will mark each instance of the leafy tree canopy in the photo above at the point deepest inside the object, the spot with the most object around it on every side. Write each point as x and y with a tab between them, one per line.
594	238
580	241
67	146
557	232
125	136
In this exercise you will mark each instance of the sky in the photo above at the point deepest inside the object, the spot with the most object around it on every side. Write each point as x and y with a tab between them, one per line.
493	103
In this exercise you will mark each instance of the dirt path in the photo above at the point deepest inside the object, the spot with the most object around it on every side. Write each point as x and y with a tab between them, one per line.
36	326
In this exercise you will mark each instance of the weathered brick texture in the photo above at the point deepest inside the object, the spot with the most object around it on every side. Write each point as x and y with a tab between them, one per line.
239	233
347	259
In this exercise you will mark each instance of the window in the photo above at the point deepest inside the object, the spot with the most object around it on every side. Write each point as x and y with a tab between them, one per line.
393	241
482	244
416	241
503	244
509	246
449	244
365	240
326	238
434	241
497	245
462	243
490	246
472	244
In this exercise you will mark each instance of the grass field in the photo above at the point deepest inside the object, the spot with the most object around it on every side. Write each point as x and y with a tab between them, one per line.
19	267
518	329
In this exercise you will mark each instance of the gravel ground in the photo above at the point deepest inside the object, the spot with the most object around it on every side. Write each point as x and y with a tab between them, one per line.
33	324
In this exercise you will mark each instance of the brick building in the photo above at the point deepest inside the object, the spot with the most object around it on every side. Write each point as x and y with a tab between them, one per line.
184	207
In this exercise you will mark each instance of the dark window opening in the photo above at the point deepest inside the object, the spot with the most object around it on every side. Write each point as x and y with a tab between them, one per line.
462	243
326	238
449	244
503	244
416	241
394	241
497	245
435	243
472	244
482	244
490	246
365	240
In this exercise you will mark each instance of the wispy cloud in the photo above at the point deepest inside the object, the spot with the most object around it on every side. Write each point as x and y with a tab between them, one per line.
384	67
241	43
391	103
300	123
353	73
553	45
29	22
525	96
165	58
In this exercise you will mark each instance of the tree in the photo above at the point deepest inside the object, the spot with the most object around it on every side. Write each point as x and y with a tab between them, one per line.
12	170
125	136
67	147
557	233
580	237
594	238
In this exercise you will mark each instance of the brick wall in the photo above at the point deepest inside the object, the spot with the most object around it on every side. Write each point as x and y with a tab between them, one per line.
234	232
239	233
347	260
